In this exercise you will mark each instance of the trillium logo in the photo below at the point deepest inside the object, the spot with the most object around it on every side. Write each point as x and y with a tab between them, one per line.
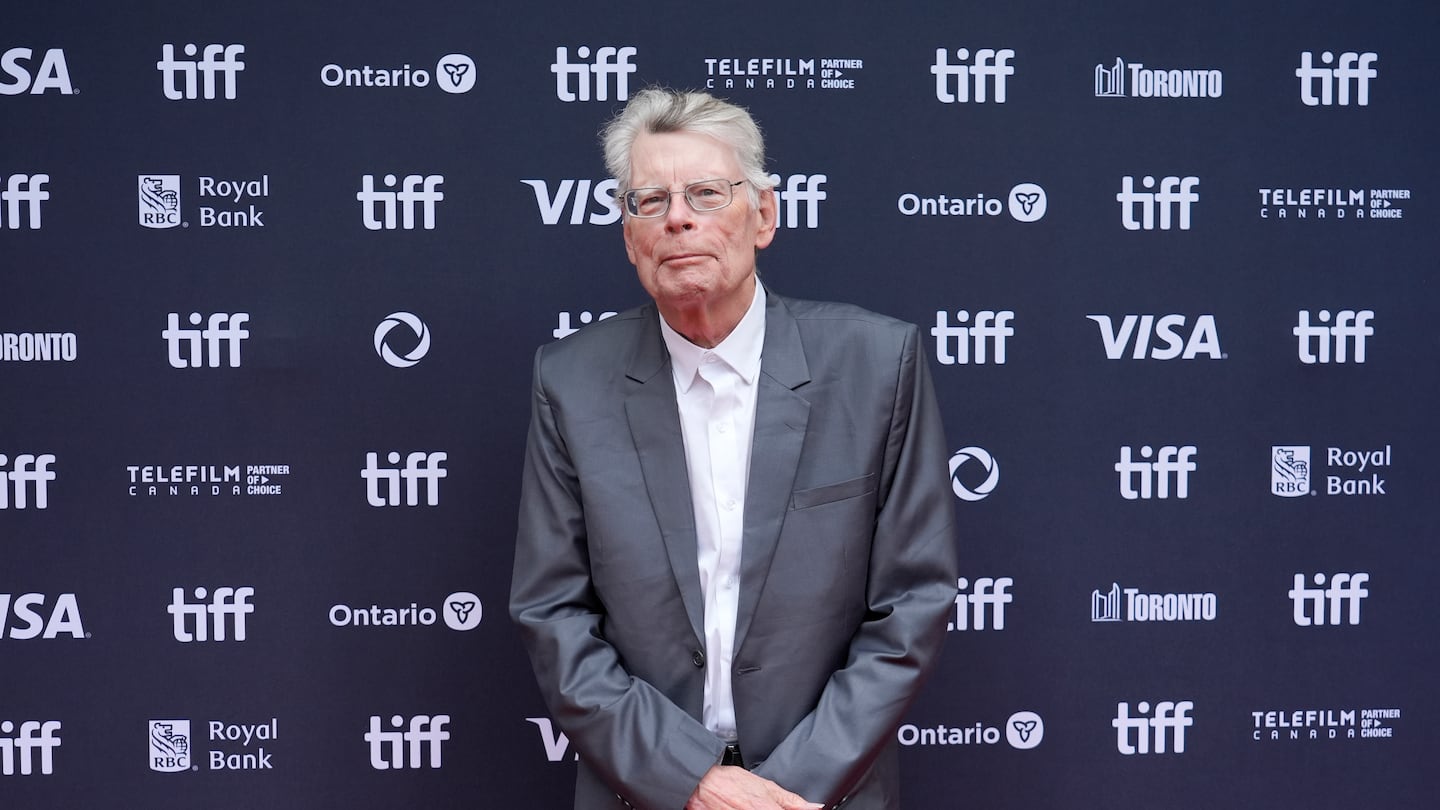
416	326
455	73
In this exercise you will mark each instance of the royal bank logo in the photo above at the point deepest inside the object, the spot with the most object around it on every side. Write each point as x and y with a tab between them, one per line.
1023	730
460	611
1132	79
454	73
1132	605
169	745
1333	203
966	486
230	203
19	76
1291	725
414	351
981	79
1335	78
159	200
593	73
1290	470
782	73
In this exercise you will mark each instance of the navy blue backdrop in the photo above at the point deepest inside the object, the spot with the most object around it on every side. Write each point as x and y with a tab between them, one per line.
271	279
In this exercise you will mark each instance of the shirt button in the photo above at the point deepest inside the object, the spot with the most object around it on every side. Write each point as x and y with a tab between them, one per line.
730	504
709	358
723	427
697	658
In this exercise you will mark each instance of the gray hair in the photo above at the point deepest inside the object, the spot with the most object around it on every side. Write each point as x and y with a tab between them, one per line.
657	110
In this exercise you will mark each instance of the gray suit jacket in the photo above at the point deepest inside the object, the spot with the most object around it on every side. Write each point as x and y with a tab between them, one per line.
848	563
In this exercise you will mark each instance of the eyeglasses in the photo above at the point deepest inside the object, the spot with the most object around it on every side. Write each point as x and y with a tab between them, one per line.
702	195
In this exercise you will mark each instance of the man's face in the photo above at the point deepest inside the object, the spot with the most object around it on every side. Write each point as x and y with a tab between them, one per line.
689	260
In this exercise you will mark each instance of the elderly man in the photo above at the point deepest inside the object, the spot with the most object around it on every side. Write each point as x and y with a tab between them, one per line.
736	542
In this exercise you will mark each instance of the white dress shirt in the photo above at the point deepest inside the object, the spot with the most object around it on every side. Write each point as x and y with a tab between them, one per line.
716	392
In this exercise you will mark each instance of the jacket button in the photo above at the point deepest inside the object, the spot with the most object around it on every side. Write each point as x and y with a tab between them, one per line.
697	658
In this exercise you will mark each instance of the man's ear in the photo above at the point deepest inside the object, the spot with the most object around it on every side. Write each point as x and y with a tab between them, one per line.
768	211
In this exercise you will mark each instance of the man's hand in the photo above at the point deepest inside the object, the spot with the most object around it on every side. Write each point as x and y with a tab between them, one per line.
726	787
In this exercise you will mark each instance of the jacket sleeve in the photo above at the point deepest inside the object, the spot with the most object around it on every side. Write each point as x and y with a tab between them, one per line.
649	750
910	592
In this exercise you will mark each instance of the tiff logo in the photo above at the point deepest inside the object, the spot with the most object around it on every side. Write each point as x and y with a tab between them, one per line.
29	472
418	466
1344	589
1175	194
180	74
23	192
1351	327
1174	716
186	350
566	328
989	62
388	749
989	330
1353	67
609	61
191	623
799	189
34	736
989	598
417	190
1153	477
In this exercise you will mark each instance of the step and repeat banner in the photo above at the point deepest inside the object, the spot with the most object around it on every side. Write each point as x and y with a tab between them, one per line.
271	280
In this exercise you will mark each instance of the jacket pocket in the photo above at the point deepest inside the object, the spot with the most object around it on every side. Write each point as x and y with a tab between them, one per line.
818	496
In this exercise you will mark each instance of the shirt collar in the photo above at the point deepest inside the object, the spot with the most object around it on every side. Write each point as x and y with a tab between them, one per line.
740	350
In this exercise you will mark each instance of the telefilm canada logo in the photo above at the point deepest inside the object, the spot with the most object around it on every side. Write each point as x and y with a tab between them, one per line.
1025	202
1343	471
1022	730
781	72
1297	725
228	202
460	611
454	73
1316	203
213	480
226	746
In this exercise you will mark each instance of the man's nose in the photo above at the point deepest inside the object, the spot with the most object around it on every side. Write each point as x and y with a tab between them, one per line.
680	217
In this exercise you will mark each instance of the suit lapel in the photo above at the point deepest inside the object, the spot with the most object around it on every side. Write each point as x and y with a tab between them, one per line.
655	428
781	416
